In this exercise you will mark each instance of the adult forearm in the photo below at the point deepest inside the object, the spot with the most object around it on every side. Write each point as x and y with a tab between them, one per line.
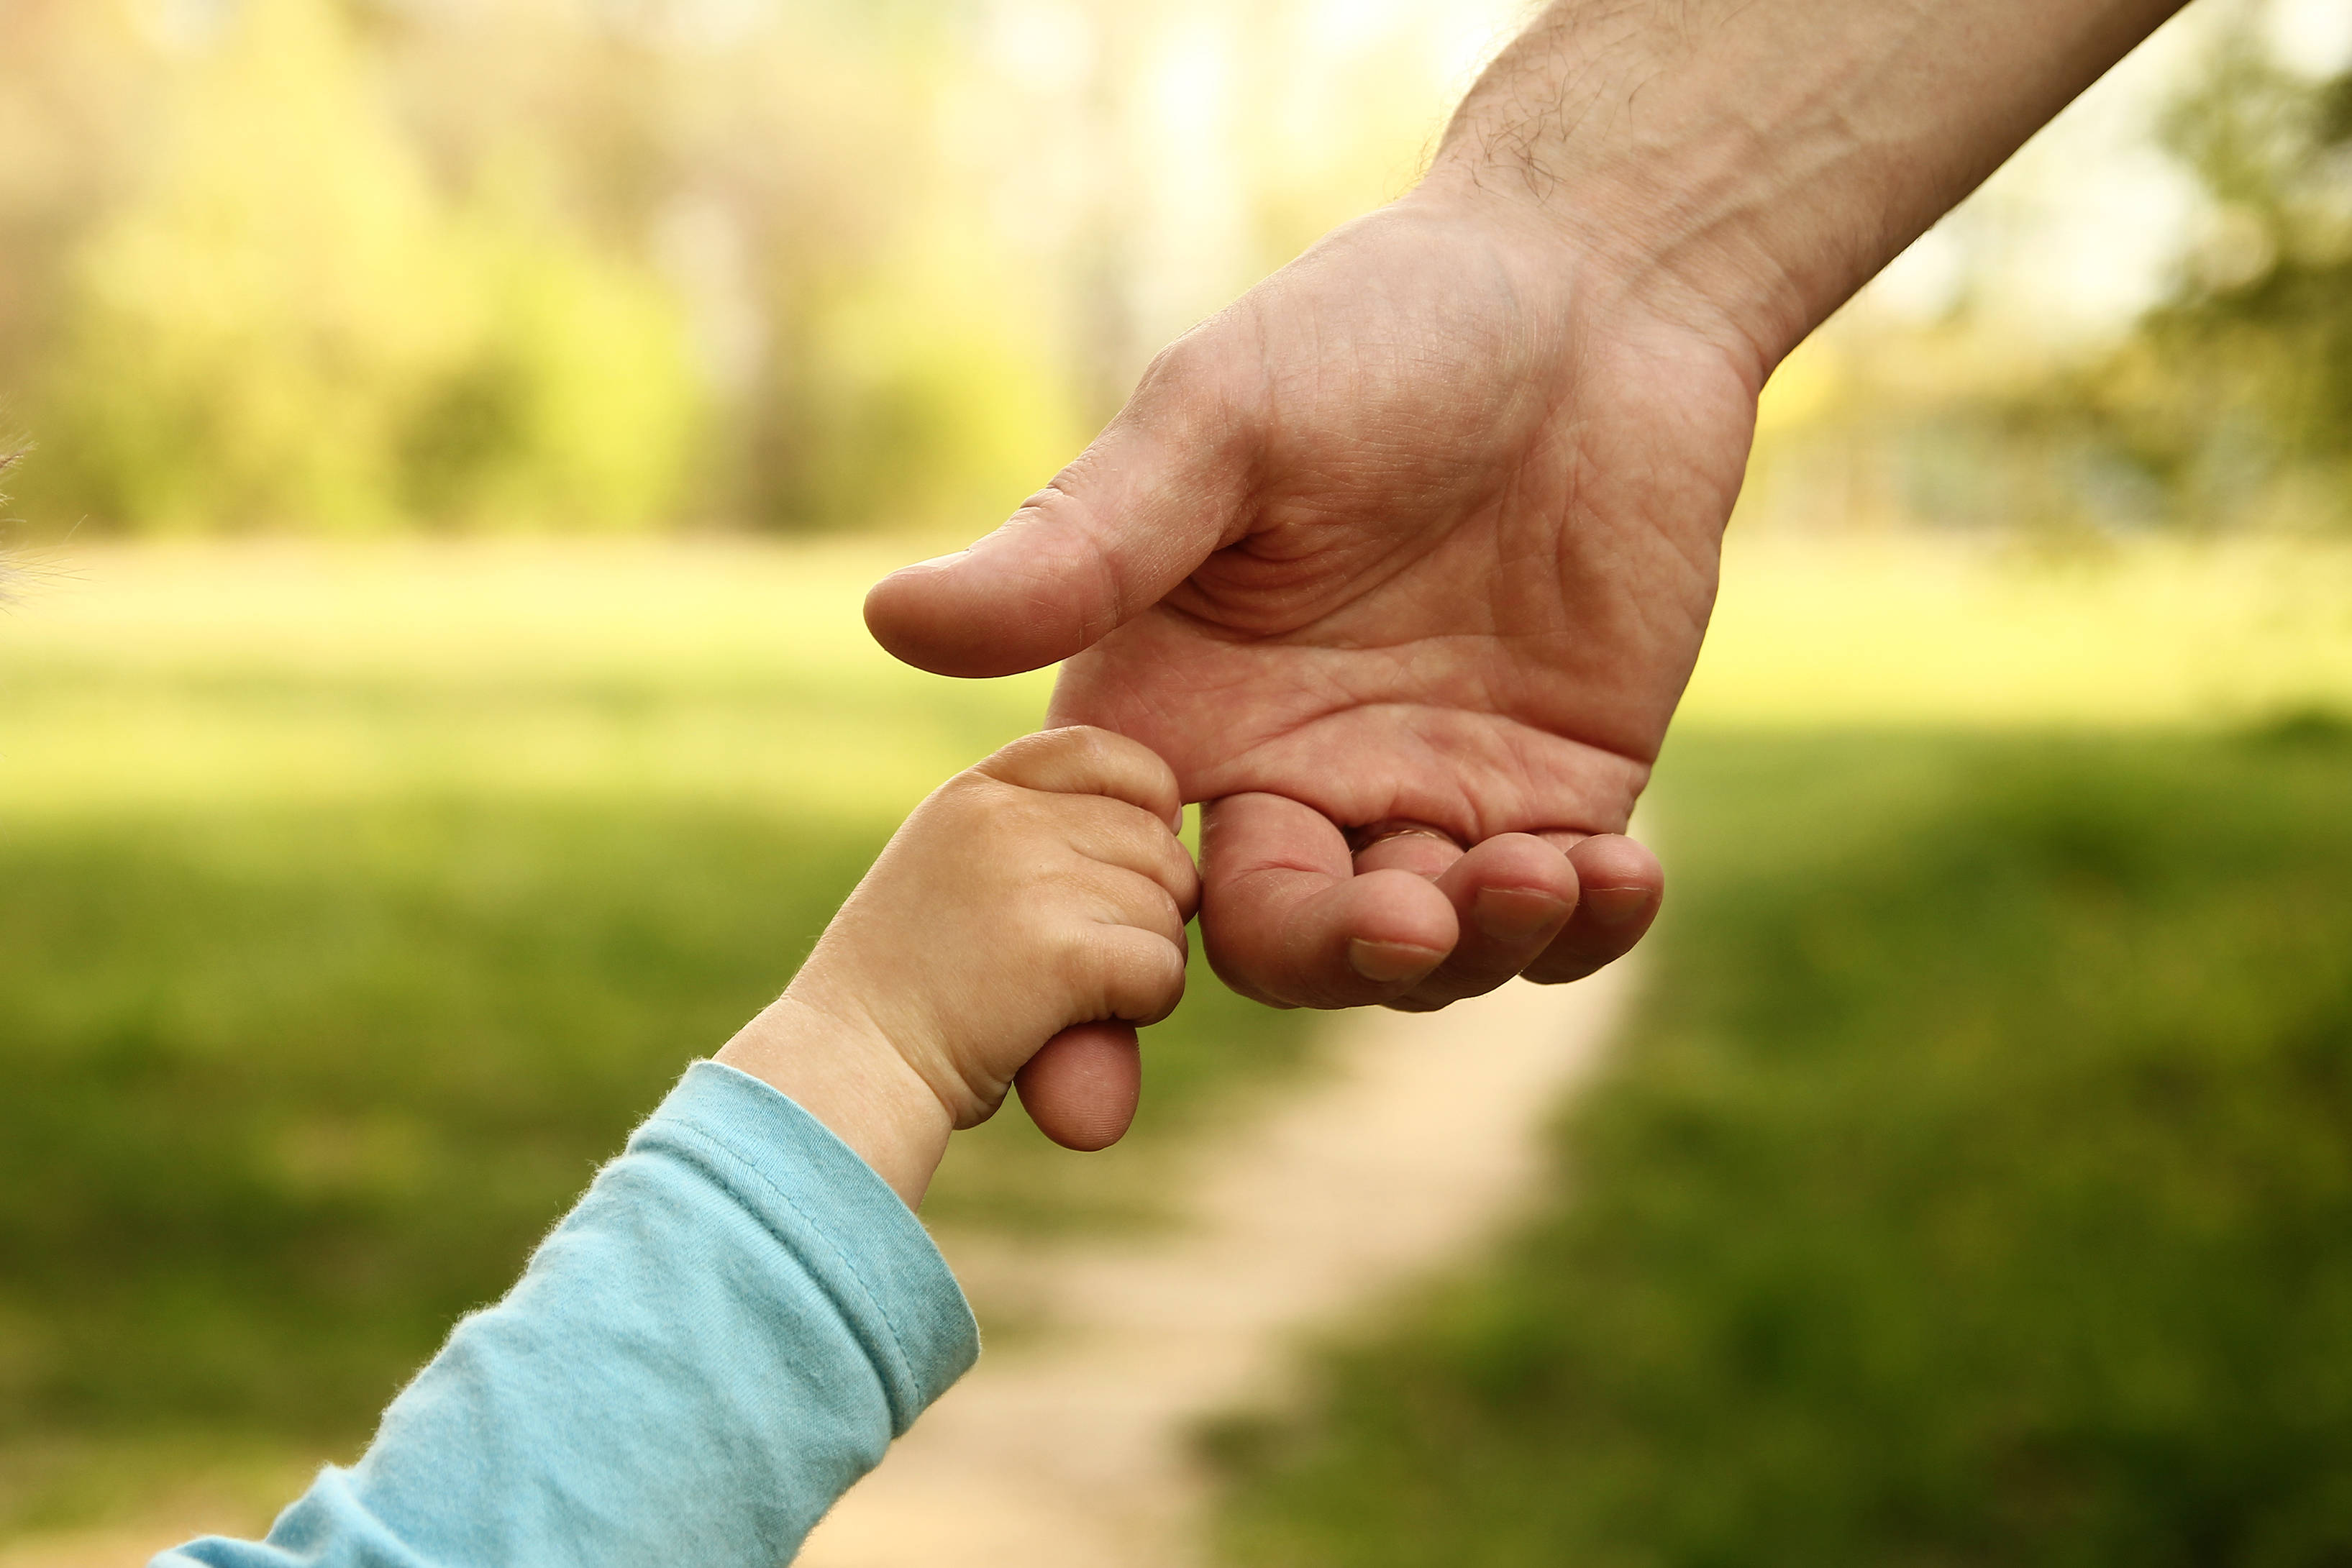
1755	162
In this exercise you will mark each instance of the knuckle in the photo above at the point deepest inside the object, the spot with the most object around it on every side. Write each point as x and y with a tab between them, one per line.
964	805
1044	759
1146	837
1182	369
982	785
1168	984
1164	916
1019	761
1081	759
1147	976
1161	955
1073	950
1200	386
1107	754
1093	753
1057	495
1075	740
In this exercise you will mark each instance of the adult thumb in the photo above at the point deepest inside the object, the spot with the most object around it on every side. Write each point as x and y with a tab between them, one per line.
1135	515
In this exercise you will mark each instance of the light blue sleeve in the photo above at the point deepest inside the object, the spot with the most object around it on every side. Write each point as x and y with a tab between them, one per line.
725	1334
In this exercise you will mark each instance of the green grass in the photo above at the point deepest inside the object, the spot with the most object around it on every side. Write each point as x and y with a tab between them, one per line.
353	902
352	910
1975	1188
1891	629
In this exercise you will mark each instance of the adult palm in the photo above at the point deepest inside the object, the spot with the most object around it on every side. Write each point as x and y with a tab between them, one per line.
1421	534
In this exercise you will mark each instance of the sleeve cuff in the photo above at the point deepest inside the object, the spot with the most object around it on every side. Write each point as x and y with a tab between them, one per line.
862	1245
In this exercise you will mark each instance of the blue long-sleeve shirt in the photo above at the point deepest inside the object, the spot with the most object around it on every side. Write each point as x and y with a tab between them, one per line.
722	1336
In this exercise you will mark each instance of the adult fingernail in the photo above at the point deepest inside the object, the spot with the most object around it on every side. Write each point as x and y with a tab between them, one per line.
1390	960
1515	914
1615	906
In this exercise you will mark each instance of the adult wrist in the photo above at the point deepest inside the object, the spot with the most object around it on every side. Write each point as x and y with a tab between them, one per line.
1744	165
1598	233
1647	145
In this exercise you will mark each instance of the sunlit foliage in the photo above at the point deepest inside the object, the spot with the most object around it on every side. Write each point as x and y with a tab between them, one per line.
290	323
2238	393
346	265
2226	406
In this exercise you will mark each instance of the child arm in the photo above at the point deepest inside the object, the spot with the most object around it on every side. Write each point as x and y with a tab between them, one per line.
743	1310
1043	889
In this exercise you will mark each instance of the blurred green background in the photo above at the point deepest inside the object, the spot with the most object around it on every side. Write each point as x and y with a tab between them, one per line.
354	906
435	708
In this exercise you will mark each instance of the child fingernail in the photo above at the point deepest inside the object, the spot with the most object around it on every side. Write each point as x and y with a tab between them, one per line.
1615	906
1389	961
1515	914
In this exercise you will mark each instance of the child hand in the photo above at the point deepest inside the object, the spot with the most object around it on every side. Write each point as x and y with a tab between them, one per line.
1043	889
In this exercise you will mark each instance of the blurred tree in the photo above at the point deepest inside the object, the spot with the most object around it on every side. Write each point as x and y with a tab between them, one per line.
2238	393
289	325
574	403
78	84
2226	405
353	264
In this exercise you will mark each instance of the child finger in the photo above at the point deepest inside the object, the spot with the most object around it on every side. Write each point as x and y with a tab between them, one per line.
1135	974
1083	759
1089	890
1120	834
1151	907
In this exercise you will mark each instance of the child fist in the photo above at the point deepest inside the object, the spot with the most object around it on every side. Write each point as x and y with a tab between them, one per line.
1044	889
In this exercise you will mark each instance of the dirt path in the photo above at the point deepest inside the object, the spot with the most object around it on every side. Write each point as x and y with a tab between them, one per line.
1069	1449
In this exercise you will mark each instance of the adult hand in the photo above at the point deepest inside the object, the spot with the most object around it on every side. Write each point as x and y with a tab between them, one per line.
1421	534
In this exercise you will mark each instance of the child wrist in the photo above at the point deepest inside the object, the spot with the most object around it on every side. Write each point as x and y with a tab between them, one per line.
848	1075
